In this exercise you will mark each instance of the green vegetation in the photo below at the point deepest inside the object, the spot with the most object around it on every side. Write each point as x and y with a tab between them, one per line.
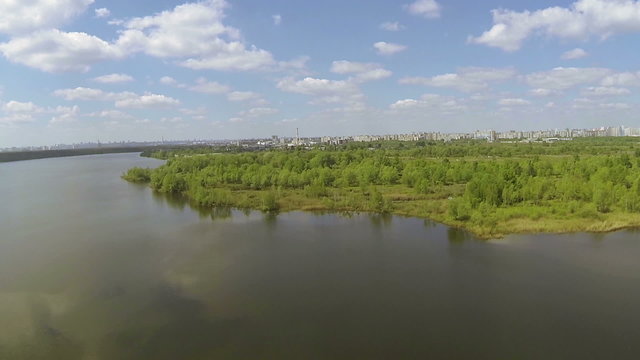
489	189
137	175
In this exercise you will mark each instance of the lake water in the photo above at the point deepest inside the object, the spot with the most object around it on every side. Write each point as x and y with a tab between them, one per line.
92	267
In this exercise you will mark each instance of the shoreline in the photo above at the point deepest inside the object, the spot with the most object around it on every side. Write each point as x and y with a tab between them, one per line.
495	231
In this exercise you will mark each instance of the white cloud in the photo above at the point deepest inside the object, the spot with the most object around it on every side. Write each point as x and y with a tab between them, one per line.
543	92
604	91
375	74
57	51
513	102
191	33
147	101
102	13
392	26
615	106
111	114
564	78
295	67
324	90
277	19
80	93
258	112
20	107
350	67
466	80
234	58
209	87
622	79
385	48
12	119
576	53
242	96
123	99
168	80
427	8
362	71
22	112
434	102
195	32
582	20
65	115
24	16
113	78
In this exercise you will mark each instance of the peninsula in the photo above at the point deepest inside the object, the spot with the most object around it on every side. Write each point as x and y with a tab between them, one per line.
489	189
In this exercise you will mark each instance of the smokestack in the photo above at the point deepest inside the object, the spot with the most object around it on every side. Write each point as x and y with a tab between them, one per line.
297	137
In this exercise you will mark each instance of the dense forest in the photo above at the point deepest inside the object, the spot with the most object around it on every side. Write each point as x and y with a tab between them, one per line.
491	189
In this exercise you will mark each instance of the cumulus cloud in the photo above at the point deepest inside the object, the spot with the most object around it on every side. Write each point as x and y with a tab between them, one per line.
543	92
23	112
604	91
64	115
622	79
209	87
582	20
615	106
16	112
113	78
434	102
561	78
576	53
385	48
362	71
466	79
111	114
146	101
429	9
123	99
20	107
168	80
102	13
20	17
392	26
323	90
258	112
57	51
88	94
194	32
242	96
513	102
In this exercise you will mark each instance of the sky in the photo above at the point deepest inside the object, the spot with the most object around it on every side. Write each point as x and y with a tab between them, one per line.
120	70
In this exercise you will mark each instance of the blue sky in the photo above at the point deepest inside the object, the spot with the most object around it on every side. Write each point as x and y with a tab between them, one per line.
82	70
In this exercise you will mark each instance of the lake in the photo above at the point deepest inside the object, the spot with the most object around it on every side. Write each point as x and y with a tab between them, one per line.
92	267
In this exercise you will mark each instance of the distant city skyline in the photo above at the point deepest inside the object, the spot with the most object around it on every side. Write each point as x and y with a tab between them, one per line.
296	140
80	70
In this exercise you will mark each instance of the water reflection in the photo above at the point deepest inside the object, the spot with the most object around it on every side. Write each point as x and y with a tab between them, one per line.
175	201
381	220
458	236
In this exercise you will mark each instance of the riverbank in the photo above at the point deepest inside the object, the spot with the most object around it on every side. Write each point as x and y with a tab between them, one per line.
402	201
45	154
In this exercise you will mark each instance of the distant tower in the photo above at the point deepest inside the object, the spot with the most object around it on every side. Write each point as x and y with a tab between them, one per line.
297	137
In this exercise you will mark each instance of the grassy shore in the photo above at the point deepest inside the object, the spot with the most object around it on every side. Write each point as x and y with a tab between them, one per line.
402	200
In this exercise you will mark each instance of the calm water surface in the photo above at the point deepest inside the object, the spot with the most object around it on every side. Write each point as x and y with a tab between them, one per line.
92	267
